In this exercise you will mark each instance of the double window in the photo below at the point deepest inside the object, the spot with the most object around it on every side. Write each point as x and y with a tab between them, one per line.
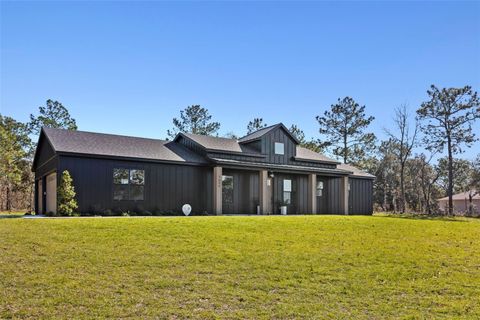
128	184
287	191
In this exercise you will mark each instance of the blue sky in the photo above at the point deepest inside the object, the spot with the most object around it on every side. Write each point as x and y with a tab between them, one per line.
129	67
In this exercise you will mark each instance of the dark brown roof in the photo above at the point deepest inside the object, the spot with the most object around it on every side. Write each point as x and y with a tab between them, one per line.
102	144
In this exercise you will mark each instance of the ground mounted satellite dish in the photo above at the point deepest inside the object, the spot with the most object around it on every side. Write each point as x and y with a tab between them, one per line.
186	209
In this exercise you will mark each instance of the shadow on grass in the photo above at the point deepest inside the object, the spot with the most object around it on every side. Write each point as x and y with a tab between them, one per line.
10	216
425	217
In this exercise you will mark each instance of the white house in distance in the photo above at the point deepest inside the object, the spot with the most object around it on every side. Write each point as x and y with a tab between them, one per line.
461	202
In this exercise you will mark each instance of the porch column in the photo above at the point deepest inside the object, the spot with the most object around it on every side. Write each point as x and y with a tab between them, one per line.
312	195
344	197
262	188
217	190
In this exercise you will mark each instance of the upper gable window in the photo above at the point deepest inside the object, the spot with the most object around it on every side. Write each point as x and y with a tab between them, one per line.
279	148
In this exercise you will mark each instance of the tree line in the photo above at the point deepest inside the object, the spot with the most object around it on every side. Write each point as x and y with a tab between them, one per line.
406	180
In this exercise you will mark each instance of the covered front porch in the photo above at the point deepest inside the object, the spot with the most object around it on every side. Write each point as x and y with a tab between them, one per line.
264	191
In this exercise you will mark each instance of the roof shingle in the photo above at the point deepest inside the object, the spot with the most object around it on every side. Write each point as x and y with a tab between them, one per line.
119	146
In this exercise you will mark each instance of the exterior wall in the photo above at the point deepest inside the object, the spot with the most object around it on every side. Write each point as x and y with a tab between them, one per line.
460	206
167	186
46	163
360	196
299	193
268	146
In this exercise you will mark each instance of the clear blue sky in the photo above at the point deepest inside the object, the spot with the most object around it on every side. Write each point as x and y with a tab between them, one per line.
128	68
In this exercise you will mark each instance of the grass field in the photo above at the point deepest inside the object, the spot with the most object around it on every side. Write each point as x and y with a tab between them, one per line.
240	267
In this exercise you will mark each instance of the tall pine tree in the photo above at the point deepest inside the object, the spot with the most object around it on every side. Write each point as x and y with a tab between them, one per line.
343	127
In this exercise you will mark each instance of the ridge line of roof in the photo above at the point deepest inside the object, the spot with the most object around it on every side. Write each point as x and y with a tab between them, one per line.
105	134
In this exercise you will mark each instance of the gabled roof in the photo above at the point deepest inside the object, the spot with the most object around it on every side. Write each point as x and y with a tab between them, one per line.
260	133
356	172
309	155
218	144
463	196
101	144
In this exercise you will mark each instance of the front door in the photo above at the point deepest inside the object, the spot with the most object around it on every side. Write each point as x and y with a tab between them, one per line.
320	192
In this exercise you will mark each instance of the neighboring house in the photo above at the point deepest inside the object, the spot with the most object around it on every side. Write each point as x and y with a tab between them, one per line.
252	175
461	202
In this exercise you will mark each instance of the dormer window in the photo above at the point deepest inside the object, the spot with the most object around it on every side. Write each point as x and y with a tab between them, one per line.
279	148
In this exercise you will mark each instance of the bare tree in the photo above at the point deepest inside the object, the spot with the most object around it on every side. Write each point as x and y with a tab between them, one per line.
405	138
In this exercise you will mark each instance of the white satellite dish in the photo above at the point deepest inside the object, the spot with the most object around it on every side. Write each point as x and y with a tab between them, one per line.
186	209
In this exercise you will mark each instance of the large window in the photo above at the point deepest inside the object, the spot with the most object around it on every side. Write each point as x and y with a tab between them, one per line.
227	189
287	191
128	184
279	148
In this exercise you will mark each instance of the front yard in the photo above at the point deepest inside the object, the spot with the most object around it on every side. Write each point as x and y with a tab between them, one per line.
240	267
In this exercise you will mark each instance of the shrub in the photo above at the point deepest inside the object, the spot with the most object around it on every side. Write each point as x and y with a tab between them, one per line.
66	195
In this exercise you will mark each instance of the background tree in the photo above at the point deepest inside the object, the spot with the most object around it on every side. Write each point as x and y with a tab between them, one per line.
297	133
53	115
462	174
405	138
343	127
66	195
14	166
231	135
255	124
194	119
448	118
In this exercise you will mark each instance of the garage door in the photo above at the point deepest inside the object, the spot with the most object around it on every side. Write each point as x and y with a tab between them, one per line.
51	193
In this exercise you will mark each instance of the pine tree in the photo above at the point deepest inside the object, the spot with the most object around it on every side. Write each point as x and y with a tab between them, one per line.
343	127
194	119
66	195
448	118
255	125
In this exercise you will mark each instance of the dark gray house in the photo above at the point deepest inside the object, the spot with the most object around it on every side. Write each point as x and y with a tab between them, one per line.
256	174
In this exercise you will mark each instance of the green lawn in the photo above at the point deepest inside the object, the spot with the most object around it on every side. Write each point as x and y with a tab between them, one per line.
240	267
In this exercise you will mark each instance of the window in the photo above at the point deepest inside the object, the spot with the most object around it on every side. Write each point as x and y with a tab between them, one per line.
227	189
319	190
287	191
279	148
128	184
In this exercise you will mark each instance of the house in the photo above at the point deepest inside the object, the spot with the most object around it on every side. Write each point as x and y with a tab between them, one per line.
461	202
255	174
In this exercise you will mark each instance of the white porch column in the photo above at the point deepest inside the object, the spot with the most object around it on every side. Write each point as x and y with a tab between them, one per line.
263	190
312	194
217	190
345	192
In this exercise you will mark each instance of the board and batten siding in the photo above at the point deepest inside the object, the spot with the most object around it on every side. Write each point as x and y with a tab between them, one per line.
167	186
360	196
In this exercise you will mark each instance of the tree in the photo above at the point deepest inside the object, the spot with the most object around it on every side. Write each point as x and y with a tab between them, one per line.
255	124
448	118
405	138
14	144
462	175
344	127
53	115
194	119
231	135
297	133
66	195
